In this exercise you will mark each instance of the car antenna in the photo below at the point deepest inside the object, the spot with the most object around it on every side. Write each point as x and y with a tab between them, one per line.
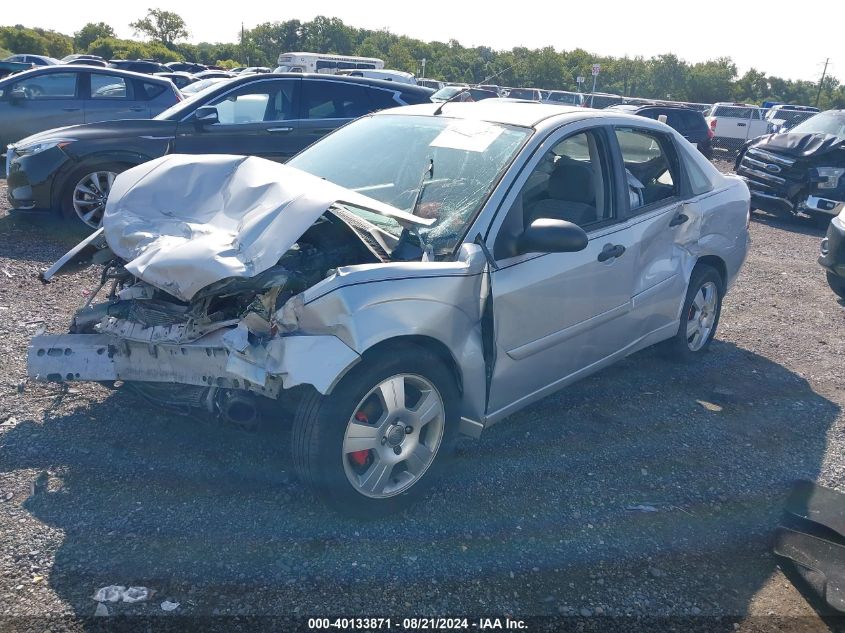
454	96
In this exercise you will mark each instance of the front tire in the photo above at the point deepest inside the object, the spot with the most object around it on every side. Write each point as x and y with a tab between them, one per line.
700	314
837	284
377	442
83	198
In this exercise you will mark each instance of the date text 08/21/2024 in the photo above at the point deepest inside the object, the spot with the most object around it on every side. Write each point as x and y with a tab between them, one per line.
414	624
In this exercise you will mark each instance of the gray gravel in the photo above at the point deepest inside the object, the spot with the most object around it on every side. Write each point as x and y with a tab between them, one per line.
105	489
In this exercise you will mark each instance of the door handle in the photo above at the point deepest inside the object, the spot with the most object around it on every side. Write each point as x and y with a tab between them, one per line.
611	251
278	130
71	109
679	219
137	109
740	124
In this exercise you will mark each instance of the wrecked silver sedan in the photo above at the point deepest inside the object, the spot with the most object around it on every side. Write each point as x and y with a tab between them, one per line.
420	273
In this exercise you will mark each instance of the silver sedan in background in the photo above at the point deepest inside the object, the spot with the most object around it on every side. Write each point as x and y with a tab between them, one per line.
421	272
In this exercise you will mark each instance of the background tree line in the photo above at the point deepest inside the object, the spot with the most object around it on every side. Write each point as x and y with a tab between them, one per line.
661	77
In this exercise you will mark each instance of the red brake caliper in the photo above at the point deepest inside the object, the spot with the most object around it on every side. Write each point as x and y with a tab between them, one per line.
359	458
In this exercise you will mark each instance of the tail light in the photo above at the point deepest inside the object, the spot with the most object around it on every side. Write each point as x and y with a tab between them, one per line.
712	126
710	132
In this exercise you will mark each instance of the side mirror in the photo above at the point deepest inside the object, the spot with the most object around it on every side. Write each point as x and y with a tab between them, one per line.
17	96
206	115
545	235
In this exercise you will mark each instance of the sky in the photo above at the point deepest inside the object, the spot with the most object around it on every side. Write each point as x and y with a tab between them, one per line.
772	36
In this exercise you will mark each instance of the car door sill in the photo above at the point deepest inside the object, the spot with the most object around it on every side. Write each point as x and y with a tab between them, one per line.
555	338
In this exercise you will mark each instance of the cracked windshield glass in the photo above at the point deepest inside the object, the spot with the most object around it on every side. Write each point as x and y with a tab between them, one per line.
436	168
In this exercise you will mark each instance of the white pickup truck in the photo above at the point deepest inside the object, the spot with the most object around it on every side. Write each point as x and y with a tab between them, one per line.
734	123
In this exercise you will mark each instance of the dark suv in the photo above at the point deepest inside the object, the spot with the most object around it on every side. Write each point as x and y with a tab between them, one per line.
688	122
269	115
145	66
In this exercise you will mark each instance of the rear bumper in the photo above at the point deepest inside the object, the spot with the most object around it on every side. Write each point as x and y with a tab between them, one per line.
832	257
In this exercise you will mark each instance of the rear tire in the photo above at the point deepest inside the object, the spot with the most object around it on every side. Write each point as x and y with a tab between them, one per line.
699	316
76	204
837	284
378	441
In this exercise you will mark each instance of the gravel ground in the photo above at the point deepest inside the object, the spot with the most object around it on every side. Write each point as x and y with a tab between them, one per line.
100	488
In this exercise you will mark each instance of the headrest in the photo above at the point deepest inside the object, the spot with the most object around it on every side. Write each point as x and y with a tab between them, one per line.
572	181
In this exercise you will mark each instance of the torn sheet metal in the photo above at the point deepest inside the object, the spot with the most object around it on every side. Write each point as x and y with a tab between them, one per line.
183	222
82	251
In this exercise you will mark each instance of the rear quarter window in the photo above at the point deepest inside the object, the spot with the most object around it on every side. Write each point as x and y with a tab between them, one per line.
382	99
415	97
150	90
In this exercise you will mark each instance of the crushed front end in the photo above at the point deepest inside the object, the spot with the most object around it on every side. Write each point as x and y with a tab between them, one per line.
790	173
202	301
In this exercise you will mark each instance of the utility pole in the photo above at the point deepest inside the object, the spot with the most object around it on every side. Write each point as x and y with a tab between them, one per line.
821	82
242	42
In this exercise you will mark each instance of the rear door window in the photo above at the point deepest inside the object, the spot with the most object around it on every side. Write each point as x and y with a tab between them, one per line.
675	119
693	120
109	87
257	103
334	100
651	166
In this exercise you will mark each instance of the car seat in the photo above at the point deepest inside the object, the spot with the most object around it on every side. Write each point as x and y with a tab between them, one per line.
571	195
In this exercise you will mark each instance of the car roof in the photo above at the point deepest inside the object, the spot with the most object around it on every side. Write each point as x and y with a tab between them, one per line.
652	106
63	68
505	111
367	81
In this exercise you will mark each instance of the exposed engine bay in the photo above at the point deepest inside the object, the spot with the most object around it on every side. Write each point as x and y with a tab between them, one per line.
137	311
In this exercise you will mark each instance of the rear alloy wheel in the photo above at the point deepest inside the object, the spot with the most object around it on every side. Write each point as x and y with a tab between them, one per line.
86	192
700	314
375	443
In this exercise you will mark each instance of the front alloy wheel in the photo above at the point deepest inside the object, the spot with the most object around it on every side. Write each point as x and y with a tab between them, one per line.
392	438
90	195
375	444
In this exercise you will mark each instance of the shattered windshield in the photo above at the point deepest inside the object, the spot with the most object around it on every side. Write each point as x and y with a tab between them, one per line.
435	167
824	123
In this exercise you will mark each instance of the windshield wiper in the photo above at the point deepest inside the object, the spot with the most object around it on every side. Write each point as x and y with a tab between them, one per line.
421	187
429	170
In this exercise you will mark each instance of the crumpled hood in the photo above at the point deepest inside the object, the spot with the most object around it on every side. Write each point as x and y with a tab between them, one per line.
799	145
182	222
